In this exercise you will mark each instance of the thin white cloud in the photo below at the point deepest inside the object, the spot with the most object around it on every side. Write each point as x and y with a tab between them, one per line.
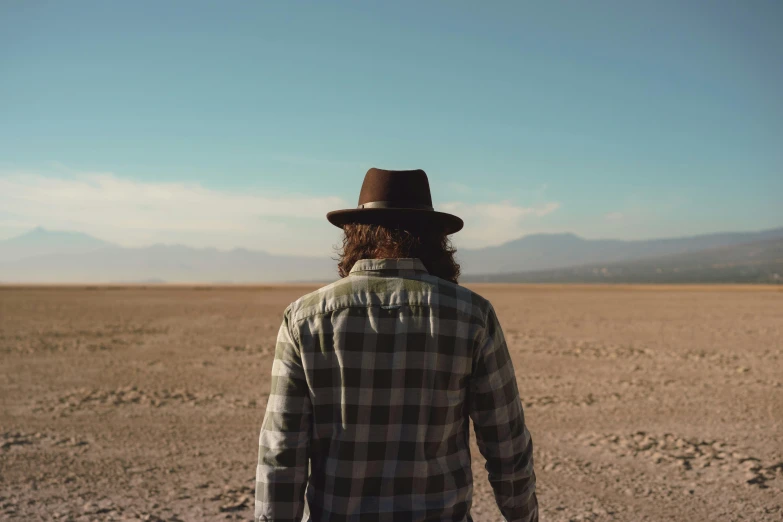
489	224
613	216
139	213
135	213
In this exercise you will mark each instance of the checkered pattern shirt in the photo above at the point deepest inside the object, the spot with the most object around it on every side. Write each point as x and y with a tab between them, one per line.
373	381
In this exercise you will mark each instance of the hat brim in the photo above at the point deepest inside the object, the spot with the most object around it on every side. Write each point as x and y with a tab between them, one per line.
405	217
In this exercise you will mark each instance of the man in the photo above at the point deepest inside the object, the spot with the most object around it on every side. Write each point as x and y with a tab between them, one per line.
376	375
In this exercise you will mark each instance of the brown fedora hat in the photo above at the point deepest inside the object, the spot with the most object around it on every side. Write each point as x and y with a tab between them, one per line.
396	198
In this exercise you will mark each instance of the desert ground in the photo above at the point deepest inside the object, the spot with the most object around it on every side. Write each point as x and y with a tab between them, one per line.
145	403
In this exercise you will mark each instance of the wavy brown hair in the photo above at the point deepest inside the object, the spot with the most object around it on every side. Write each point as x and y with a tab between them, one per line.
363	241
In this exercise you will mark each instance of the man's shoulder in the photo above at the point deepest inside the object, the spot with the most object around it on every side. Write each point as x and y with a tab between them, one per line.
462	294
358	291
319	300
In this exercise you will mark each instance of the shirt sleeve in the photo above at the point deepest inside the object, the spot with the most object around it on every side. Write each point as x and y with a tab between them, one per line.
284	443
499	423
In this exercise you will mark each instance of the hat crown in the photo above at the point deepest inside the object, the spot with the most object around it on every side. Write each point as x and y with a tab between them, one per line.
397	188
396	198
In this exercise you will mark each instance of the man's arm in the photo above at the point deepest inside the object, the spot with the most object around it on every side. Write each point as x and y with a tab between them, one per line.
284	443
499	424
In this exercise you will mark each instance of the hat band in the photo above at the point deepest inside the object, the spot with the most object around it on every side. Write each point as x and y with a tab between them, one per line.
394	204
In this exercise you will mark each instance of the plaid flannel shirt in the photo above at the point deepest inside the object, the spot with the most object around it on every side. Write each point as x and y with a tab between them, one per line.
373	381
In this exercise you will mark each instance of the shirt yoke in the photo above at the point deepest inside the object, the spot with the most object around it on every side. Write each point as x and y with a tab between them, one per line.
358	290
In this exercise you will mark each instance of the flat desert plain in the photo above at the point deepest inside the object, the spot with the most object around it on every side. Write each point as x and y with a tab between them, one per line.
145	403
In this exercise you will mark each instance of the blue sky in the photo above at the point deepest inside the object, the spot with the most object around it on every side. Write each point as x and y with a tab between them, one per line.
241	123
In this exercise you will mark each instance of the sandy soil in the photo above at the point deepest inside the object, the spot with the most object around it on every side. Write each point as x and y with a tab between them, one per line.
145	404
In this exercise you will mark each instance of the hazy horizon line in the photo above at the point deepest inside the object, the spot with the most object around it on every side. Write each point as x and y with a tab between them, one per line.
236	248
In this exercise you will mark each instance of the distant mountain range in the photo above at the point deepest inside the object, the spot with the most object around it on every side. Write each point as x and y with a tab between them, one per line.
550	251
756	262
66	257
42	242
43	256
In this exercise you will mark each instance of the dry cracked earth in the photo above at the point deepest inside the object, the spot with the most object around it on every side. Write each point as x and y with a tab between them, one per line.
644	403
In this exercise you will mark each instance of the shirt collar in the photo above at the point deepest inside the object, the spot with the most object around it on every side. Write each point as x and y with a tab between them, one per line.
391	267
